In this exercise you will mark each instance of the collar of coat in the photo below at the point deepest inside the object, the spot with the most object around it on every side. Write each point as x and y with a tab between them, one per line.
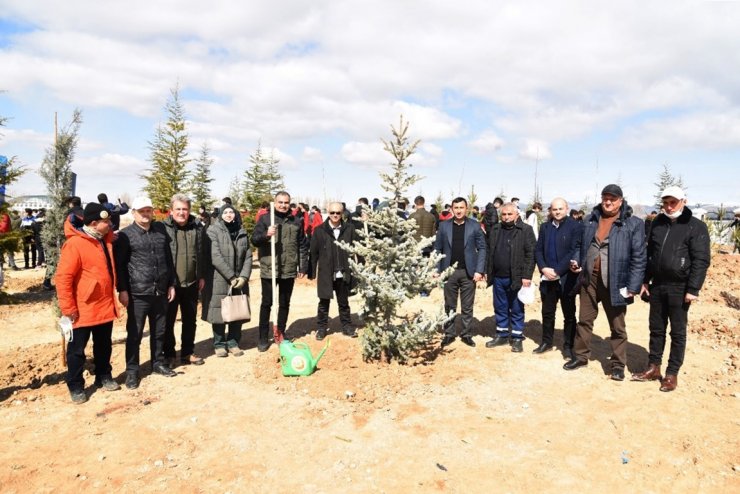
330	229
625	211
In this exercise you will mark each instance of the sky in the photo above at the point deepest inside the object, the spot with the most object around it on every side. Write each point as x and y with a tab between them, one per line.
565	96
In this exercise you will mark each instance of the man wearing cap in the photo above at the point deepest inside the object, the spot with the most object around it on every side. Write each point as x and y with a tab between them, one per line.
146	283
85	280
678	258
611	264
185	237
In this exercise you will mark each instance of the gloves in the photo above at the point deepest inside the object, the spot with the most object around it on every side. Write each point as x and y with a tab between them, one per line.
235	283
240	282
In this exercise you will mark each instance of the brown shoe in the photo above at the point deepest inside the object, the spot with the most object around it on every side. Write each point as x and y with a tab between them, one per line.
192	359
651	374
669	383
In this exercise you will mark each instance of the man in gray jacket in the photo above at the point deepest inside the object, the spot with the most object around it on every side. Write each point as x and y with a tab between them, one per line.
145	283
185	237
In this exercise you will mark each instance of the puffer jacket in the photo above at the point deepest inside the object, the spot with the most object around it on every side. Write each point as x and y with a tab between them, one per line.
291	247
522	253
83	280
194	230
144	260
678	252
229	259
627	255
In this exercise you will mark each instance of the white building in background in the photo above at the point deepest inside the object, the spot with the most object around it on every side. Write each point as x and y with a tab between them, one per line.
34	202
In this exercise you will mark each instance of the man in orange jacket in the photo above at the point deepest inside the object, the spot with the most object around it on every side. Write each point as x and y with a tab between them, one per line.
85	282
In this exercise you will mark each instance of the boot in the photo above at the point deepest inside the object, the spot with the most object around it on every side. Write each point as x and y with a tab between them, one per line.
651	374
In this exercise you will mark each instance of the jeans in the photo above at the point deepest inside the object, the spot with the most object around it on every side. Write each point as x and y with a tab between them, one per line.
459	283
508	309
667	304
230	340
186	299
140	308
285	290
101	336
341	289
552	291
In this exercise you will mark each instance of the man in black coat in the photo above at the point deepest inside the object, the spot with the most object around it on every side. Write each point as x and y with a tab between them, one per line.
678	258
146	284
334	275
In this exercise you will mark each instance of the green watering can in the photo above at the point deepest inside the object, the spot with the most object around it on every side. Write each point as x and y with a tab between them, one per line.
296	358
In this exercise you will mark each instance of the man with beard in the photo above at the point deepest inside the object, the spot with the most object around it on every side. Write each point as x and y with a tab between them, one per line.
291	252
611	266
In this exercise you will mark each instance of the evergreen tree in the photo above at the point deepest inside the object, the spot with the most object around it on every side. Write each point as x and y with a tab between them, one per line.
272	174
200	190
235	191
10	172
262	179
168	156
393	269
666	179
472	199
56	170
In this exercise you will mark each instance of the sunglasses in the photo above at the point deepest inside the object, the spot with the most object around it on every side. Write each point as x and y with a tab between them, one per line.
335	212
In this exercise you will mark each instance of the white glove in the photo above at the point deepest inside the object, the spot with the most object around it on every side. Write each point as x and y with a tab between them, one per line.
240	282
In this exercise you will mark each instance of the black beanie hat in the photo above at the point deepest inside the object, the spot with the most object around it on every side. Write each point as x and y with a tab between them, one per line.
95	212
613	189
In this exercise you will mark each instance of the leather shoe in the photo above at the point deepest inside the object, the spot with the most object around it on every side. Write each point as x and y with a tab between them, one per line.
497	341
669	382
544	347
320	334
447	340
617	374
516	346
132	381
574	364
349	332
78	396
192	359
468	340
651	374
263	346
163	370
108	383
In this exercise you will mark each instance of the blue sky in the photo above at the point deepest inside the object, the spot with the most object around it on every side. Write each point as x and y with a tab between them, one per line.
594	92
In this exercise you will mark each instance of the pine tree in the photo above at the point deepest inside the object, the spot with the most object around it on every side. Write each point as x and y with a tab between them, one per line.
168	156
393	269
56	170
472	199
666	179
235	191
200	190
262	179
10	172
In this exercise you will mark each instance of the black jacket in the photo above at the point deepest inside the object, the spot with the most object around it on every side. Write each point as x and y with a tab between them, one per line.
291	246
144	260
678	252
329	257
522	253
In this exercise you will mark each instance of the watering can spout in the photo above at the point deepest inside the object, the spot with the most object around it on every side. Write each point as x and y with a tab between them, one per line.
321	353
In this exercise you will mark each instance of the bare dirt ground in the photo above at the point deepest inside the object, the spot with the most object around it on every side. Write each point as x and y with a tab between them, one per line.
468	420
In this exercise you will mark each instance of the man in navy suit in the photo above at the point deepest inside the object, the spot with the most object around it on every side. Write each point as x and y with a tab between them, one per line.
463	244
559	242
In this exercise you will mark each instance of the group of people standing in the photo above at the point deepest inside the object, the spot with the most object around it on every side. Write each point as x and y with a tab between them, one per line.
160	268
609	258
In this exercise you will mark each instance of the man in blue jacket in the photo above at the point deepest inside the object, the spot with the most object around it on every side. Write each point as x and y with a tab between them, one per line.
463	244
559	242
611	266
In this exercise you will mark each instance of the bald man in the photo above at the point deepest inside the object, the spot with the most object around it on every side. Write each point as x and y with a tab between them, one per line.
330	266
559	241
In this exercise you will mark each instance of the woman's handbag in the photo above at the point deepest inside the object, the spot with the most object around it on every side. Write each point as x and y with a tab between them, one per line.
235	308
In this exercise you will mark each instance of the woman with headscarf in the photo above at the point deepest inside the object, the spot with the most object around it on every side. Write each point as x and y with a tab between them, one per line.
230	252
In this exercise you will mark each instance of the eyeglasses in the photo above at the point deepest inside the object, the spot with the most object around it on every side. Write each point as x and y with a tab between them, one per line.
335	212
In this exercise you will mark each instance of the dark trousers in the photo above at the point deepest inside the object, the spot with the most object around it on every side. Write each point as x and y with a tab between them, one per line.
230	340
41	259
140	308
285	291
508	310
667	304
101	336
186	299
29	248
552	292
341	289
591	295
459	283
